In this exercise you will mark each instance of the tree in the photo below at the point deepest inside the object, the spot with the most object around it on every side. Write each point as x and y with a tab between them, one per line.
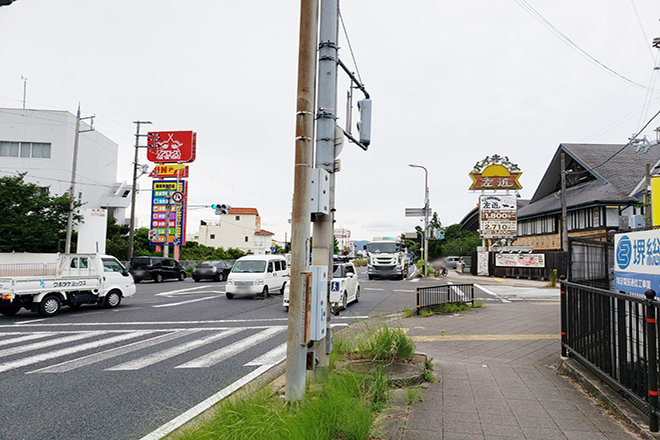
31	219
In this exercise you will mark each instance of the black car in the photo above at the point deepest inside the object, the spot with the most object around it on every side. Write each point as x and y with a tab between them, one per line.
212	270
156	268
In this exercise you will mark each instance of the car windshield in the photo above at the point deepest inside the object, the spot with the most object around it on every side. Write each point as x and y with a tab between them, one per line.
141	262
390	247
336	271
249	266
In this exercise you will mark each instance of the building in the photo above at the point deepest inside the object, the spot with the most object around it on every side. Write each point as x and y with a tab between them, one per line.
240	228
605	189
41	142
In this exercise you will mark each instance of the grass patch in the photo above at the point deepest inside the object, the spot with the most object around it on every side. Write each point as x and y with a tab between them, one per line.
387	344
448	308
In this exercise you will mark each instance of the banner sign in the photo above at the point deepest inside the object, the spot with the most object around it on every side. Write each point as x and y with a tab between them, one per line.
637	261
169	170
520	260
498	216
172	146
161	188
495	172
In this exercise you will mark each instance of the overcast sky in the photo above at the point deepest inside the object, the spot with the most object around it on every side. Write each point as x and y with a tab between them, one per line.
451	81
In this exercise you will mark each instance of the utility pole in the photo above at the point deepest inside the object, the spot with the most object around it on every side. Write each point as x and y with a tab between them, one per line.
24	89
296	359
74	170
323	242
564	216
168	212
131	232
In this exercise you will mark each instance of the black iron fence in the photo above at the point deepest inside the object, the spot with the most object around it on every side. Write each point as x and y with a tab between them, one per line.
446	294
615	335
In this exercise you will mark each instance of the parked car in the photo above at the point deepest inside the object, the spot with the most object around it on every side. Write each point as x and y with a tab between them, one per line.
452	262
157	269
212	270
257	275
344	287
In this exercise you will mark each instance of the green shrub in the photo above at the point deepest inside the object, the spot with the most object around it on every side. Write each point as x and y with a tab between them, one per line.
388	345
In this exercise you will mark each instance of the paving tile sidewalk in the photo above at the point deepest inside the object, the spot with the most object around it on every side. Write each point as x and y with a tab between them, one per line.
500	382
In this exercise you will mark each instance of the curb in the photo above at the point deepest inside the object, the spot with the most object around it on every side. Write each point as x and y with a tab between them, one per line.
622	408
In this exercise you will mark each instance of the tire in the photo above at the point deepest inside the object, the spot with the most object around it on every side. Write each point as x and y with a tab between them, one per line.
287	308
344	300
196	280
229	295
112	299
182	276
371	277
282	288
220	277
50	305
158	278
264	293
10	310
357	294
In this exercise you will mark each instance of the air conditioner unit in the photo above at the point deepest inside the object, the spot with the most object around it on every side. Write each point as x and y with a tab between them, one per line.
637	221
624	222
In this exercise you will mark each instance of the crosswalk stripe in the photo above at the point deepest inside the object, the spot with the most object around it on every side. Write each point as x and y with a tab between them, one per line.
184	302
232	349
273	357
25	338
113	352
153	358
48	343
71	350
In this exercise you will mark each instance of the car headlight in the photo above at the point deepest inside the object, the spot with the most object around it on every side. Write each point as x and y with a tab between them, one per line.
230	282
260	281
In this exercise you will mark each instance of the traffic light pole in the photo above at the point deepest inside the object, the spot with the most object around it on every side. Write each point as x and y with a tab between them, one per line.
296	354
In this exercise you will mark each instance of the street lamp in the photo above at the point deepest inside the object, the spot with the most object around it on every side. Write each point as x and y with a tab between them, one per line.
426	215
131	232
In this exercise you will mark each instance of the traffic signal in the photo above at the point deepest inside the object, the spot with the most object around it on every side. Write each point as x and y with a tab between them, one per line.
364	125
221	208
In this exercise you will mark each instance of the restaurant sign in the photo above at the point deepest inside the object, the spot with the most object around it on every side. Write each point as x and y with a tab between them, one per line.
496	173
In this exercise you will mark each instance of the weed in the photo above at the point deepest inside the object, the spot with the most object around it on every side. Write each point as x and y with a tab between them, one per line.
408	313
387	345
425	313
413	394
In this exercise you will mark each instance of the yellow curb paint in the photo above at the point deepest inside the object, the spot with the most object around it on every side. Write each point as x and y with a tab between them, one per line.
436	338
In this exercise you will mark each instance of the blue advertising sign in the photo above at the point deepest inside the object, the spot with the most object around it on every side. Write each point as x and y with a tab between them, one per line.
637	261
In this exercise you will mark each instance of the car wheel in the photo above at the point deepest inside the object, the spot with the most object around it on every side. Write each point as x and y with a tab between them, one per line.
287	308
158	278
220	277
196	279
344	300
10	310
357	294
283	287
112	299
264	293
136	281
49	306
371	277
229	295
182	276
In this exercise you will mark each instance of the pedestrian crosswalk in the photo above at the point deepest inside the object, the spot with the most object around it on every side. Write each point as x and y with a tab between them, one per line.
41	352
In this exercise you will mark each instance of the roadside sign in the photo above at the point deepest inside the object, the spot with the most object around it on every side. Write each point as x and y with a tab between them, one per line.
177	197
414	212
498	216
637	261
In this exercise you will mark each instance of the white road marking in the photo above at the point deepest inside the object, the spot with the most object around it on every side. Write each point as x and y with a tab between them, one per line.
153	358
406	291
48	343
184	302
232	349
71	350
490	292
113	352
203	406
371	288
273	357
28	337
181	291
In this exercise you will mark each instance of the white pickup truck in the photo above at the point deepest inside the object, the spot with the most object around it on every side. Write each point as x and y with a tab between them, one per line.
78	279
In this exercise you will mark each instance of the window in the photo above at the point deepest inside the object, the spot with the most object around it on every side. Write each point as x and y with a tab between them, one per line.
212	237
246	238
238	219
35	150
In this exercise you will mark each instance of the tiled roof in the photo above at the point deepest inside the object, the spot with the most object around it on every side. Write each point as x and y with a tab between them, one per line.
245	211
263	232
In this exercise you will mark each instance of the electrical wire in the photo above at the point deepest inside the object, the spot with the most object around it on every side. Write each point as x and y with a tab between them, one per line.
348	41
536	15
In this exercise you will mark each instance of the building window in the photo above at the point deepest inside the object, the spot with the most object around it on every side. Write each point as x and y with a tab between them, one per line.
238	218
246	238
212	236
35	150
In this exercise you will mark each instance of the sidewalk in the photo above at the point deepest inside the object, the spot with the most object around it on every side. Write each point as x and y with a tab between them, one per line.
496	378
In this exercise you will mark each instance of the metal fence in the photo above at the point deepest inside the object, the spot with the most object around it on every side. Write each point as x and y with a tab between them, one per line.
447	294
615	335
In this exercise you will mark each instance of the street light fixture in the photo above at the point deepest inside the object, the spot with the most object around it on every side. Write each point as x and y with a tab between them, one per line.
131	232
426	214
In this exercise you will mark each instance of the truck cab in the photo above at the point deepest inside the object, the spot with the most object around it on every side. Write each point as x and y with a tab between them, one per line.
388	258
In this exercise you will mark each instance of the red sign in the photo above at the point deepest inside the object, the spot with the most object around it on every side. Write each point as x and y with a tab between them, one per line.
169	170
172	146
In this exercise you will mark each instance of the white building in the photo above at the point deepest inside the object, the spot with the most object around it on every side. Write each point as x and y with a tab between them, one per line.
40	142
239	229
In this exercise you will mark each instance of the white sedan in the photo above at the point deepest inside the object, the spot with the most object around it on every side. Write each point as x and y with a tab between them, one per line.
344	287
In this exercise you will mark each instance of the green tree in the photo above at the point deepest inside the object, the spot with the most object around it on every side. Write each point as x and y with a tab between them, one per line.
459	242
116	242
195	251
30	219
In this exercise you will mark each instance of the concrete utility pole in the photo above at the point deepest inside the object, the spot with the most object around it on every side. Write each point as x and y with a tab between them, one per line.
564	216
296	359
131	232
74	170
427	208
323	243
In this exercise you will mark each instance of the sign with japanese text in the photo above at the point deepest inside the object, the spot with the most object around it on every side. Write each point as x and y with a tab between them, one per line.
498	216
172	146
169	170
162	191
520	260
497	173
637	261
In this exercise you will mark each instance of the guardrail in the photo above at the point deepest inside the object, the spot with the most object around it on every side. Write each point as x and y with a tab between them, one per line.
614	335
445	294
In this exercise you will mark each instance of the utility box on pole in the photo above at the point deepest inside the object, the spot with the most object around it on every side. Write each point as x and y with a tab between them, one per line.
319	303
320	203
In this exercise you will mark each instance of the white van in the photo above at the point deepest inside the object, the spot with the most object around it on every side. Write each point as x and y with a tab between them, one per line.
257	275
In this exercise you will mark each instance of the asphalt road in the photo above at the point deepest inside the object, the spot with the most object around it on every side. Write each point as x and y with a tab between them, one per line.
91	373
